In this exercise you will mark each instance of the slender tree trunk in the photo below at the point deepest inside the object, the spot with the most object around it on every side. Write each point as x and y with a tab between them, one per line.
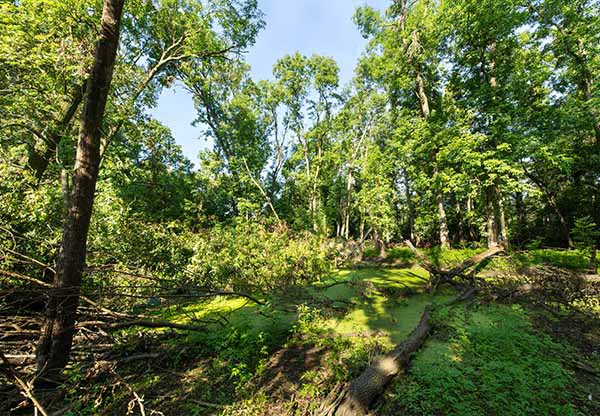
472	234
349	185
411	209
58	329
425	112
460	220
594	260
444	240
492	224
521	216
502	230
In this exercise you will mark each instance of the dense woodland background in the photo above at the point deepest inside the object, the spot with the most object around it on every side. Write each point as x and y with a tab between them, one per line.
468	125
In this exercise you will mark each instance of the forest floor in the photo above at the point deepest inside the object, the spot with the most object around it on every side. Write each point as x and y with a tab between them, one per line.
484	357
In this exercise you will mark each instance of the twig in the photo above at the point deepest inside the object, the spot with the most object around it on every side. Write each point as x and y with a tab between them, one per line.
26	390
137	398
207	404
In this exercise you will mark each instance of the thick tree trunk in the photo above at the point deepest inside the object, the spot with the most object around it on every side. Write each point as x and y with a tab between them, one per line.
356	398
379	245
563	222
59	325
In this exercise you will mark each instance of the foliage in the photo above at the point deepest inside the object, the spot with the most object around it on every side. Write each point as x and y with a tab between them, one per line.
586	232
247	256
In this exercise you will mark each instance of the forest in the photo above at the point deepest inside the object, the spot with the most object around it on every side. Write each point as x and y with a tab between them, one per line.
420	240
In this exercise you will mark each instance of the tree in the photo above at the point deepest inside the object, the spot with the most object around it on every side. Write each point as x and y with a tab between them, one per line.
59	325
307	90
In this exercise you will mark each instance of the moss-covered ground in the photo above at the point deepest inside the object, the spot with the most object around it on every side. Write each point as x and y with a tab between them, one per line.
281	357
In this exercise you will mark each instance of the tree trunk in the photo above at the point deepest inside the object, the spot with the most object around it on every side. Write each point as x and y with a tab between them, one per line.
593	260
444	240
492	225
503	234
472	234
59	324
563	222
424	102
411	209
460	223
521	217
346	219
356	398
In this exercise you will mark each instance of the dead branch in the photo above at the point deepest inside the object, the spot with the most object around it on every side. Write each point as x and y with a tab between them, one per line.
24	387
142	323
139	400
441	274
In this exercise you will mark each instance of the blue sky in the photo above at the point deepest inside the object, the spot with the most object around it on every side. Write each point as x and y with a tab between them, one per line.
308	26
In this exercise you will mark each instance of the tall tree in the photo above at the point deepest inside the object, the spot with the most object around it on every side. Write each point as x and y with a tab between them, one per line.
59	325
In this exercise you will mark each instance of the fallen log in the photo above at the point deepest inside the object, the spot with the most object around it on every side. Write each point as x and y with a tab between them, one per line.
440	274
355	398
144	323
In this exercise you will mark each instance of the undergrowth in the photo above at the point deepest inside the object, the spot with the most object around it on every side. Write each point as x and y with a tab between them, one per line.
486	361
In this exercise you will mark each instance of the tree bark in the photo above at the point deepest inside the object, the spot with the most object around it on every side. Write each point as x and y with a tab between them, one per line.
356	398
492	225
411	208
460	223
502	231
55	343
444	239
521	216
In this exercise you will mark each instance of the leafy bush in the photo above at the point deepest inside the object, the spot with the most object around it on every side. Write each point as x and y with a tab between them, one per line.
248	256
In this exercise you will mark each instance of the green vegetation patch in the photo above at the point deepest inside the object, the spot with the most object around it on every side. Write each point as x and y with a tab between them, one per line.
485	361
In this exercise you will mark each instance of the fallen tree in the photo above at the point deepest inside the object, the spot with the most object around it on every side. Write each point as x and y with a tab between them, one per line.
441	275
355	398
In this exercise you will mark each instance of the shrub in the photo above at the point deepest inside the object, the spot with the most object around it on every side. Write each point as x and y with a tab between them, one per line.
249	256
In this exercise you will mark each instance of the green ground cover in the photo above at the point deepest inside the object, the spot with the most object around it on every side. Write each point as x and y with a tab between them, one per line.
481	359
